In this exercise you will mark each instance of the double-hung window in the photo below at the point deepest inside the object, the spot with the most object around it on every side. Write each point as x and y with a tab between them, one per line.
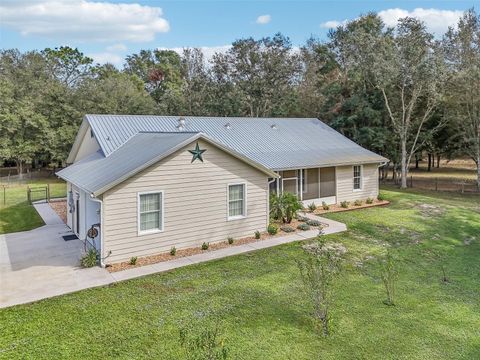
357	177
150	212
236	201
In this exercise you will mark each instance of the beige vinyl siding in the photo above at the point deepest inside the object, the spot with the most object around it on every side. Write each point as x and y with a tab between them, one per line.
369	188
88	146
195	204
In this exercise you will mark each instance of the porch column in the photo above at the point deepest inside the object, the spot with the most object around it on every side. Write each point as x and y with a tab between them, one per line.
278	184
301	184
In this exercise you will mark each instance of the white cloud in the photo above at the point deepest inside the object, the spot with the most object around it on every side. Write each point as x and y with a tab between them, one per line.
264	19
332	24
208	51
83	20
107	57
117	48
436	20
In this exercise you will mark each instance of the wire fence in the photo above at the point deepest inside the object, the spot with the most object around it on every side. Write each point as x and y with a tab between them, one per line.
17	194
438	183
9	175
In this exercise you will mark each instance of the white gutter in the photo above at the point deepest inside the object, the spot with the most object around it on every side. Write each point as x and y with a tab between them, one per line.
102	264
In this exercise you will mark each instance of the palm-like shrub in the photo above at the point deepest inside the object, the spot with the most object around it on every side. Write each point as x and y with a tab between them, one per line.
284	207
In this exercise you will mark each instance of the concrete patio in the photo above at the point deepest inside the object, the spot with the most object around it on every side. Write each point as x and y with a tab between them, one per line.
39	264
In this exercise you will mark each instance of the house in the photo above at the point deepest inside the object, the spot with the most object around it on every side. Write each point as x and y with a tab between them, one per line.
139	185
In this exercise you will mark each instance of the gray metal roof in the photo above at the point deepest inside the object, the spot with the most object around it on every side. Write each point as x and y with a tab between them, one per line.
97	173
276	143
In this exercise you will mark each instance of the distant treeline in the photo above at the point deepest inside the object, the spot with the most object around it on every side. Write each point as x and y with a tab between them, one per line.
396	91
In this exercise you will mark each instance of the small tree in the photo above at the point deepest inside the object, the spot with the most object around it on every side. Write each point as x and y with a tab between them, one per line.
389	277
318	272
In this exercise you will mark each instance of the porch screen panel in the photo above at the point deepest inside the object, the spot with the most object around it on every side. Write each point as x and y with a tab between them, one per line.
327	182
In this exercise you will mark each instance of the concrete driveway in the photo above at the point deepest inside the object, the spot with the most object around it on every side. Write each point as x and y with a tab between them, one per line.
37	264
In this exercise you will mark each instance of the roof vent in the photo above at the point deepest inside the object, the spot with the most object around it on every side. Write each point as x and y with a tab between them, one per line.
227	126
181	123
108	138
274	126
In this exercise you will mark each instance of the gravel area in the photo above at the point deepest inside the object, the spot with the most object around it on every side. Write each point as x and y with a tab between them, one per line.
60	207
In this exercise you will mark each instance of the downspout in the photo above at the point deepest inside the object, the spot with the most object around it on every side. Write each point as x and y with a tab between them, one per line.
102	264
268	199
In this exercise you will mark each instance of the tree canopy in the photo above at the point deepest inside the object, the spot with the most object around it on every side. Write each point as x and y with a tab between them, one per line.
396	91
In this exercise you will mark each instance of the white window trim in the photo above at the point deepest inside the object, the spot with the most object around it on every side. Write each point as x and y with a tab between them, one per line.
361	178
237	217
162	206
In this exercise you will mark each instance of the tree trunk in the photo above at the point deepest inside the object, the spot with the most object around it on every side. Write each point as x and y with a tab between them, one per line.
404	164
20	169
438	161
429	162
478	167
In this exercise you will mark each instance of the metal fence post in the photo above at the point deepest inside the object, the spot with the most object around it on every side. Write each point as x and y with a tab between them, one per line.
411	181
48	192
29	198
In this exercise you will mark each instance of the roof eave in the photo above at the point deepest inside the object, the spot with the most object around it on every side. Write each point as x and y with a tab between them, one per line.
78	141
379	161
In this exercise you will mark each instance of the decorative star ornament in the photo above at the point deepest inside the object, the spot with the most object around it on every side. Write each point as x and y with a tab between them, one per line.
197	153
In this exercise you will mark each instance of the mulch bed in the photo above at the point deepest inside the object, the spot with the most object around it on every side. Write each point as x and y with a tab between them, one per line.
60	207
153	259
351	206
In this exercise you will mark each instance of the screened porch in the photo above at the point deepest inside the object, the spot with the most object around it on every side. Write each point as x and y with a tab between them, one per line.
310	185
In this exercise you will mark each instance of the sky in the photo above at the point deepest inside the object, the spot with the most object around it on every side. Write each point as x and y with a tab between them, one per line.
107	30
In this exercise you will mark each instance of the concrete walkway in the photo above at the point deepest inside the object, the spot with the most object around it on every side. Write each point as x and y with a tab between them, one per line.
48	215
39	264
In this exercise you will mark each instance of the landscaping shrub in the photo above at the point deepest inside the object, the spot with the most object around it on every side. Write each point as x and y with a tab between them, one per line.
358	203
303	227
312	222
257	234
287	228
272	229
325	206
312	207
344	204
302	218
380	197
284	207
133	260
369	200
89	259
230	240
173	251
205	246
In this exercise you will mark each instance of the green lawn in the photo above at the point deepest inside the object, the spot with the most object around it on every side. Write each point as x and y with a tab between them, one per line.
16	214
262	312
